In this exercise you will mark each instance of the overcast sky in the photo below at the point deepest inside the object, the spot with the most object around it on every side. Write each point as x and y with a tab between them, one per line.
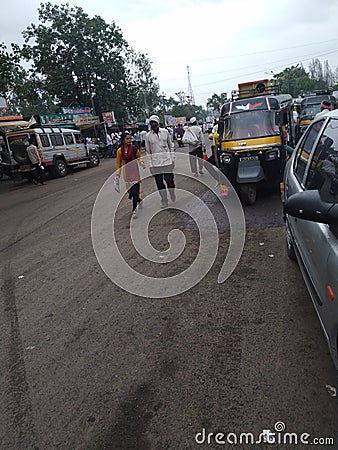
224	42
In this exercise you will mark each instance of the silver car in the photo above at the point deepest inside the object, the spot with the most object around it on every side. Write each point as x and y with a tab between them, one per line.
310	201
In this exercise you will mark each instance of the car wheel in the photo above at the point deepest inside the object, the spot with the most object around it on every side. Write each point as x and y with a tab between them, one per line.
94	160
60	169
290	249
248	193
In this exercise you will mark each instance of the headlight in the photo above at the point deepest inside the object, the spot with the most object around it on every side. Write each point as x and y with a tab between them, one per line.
272	154
226	159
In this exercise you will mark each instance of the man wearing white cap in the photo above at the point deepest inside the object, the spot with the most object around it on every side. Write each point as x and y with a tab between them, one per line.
196	150
160	148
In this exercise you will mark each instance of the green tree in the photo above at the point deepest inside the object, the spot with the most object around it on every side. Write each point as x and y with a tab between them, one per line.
322	74
293	80
12	76
142	89
216	101
81	61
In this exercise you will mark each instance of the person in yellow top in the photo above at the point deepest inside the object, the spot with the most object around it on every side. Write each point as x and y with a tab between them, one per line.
128	157
213	159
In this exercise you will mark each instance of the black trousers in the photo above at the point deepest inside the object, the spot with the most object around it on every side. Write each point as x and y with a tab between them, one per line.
39	174
134	194
161	175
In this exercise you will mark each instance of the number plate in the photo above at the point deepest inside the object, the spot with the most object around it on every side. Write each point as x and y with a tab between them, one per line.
249	158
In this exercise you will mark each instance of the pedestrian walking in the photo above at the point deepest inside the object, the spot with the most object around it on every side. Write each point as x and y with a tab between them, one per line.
196	146
36	160
128	158
143	135
109	145
161	150
137	139
213	159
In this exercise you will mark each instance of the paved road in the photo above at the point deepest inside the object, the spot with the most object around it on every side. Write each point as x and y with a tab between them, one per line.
85	365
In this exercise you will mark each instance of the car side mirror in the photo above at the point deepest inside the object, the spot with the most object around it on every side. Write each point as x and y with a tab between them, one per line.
308	205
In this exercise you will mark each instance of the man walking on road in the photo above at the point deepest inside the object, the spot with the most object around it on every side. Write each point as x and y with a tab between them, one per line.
196	151
160	148
36	161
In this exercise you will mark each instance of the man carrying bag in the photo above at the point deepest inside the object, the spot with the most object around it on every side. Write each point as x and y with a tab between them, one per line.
193	136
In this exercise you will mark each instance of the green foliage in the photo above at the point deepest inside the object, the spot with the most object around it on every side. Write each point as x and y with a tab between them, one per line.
295	80
188	111
216	101
71	59
76	60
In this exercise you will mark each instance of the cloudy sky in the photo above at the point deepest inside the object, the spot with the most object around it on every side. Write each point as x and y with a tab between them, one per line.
224	42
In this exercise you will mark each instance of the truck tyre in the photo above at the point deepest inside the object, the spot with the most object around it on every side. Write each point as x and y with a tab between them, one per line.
248	193
94	160
20	154
60	168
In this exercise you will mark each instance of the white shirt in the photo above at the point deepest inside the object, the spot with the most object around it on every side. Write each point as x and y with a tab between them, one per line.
199	135
160	147
143	135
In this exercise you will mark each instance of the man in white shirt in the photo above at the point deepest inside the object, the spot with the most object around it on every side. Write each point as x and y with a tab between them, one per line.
160	148
196	151
325	106
143	135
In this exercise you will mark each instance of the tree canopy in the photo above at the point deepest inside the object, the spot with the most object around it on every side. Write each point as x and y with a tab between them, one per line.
71	59
76	60
295	80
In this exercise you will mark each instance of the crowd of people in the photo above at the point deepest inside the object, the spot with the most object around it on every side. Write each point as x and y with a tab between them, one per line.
158	143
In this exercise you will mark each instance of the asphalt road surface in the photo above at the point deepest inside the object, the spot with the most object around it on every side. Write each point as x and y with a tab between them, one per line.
86	365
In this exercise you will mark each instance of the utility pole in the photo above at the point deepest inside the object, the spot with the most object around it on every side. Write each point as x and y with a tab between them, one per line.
90	93
190	92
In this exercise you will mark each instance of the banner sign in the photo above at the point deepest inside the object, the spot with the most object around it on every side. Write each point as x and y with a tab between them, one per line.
81	120
181	120
108	117
170	121
174	121
78	110
53	119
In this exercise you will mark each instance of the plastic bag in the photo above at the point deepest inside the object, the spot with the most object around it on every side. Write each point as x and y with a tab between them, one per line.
189	137
117	184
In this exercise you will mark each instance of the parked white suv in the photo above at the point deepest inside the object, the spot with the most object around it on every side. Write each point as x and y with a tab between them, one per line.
61	149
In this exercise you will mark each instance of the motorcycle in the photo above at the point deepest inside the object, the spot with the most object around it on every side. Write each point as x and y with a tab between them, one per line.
102	149
179	141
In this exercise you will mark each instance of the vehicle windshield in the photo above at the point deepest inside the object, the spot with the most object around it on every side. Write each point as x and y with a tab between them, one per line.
250	124
308	112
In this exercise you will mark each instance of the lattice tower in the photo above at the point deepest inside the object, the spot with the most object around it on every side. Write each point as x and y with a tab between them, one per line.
190	91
